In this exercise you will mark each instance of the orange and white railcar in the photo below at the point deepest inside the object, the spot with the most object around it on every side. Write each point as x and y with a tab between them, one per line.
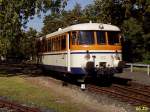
81	49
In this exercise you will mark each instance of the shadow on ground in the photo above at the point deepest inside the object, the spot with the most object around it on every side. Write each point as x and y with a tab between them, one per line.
121	81
32	70
8	70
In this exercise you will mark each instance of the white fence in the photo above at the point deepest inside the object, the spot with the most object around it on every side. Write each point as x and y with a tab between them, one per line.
139	65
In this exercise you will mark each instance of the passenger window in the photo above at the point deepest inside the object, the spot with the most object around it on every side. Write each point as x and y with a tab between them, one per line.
44	44
63	43
59	44
53	46
49	45
101	37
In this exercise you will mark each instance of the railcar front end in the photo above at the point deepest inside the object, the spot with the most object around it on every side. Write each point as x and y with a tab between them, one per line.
96	53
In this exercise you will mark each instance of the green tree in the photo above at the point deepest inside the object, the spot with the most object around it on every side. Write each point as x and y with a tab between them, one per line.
136	27
14	14
28	46
132	16
134	42
4	46
54	21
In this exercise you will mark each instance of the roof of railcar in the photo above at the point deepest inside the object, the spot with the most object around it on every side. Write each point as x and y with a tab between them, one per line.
85	26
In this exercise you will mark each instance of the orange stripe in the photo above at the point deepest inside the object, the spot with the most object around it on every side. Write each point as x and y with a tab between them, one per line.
96	47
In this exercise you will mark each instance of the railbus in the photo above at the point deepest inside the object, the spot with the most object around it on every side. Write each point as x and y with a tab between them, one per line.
87	49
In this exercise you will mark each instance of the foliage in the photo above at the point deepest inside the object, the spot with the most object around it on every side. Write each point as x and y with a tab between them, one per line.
136	30
134	41
4	46
28	46
54	21
14	14
132	16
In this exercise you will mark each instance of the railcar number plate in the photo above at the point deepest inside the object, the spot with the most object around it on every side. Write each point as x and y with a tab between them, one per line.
103	57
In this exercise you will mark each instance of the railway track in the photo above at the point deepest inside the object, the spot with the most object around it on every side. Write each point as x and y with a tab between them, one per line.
7	106
134	94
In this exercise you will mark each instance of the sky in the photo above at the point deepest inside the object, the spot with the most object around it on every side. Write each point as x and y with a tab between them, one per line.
37	23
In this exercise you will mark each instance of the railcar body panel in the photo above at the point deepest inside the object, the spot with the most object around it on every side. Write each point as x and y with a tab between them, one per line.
58	61
67	51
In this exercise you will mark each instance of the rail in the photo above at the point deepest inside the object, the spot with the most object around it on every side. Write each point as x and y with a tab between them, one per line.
16	107
132	65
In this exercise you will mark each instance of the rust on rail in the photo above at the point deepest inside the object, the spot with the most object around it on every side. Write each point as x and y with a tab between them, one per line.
17	107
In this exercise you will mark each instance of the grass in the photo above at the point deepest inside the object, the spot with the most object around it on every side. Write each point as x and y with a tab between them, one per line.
18	89
146	62
139	69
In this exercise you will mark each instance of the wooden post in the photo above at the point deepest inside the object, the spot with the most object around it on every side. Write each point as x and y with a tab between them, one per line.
148	70
131	67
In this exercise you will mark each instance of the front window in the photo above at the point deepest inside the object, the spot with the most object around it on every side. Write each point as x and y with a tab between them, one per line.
101	37
83	38
113	38
86	37
74	38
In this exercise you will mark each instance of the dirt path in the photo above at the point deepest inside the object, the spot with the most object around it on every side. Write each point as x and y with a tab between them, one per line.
72	94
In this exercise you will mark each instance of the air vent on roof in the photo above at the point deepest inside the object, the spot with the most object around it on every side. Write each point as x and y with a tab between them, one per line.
59	29
101	26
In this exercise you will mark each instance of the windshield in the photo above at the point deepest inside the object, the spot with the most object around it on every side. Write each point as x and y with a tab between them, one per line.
113	38
101	37
85	37
82	37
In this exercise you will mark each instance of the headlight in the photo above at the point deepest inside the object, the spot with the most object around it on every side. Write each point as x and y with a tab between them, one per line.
87	56
116	63
117	56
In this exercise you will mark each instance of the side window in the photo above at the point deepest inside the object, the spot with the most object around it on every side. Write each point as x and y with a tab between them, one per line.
101	37
53	47
59	43
42	45
55	44
49	45
46	46
63	43
74	38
